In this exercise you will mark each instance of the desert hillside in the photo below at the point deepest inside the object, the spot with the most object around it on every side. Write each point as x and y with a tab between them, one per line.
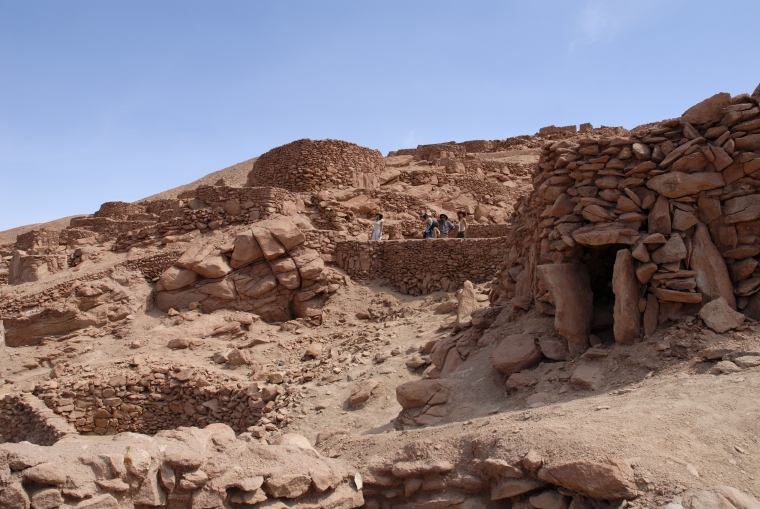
591	341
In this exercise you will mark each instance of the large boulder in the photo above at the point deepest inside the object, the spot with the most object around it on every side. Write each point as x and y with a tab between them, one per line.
709	110
419	393
246	250
286	233
196	252
719	316
713	280
605	480
269	245
214	266
175	278
515	353
570	289
626	286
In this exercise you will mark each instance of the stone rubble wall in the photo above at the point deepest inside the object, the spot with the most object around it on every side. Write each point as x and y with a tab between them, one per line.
148	398
483	190
119	210
23	417
420	267
77	303
209	208
311	165
325	242
680	196
487	231
188	468
40	241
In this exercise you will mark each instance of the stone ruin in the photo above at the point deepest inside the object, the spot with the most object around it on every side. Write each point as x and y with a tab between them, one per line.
622	234
265	270
190	467
311	165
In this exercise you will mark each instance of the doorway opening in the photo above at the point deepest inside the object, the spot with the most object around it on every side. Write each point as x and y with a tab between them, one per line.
600	262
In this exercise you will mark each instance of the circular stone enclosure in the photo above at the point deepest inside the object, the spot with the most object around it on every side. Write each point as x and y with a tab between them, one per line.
311	165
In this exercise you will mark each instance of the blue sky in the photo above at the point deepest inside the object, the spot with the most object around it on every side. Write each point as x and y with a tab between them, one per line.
118	100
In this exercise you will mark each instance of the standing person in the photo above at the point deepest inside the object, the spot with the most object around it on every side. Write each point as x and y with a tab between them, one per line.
377	231
462	225
444	225
430	226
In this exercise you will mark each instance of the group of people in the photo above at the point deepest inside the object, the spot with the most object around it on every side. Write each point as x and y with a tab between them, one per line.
441	228
433	228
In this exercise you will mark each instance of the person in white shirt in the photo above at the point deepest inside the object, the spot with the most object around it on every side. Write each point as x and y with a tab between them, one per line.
462	225
377	231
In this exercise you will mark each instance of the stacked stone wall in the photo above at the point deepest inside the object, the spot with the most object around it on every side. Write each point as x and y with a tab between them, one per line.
423	266
325	242
38	241
311	165
118	210
12	304
680	197
208	208
25	418
488	231
150	398
483	190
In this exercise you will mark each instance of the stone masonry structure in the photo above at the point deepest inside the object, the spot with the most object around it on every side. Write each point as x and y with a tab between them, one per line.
311	165
631	232
420	267
23	417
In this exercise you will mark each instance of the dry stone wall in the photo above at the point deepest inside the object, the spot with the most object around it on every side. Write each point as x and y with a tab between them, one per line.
419	267
311	165
488	231
24	418
149	398
671	212
206	209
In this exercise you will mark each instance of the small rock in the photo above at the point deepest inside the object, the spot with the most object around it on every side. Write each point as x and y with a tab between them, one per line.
725	367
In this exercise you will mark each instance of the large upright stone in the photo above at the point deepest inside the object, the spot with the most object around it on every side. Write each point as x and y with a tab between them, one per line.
659	217
713	280
466	304
676	184
570	288
626	286
709	110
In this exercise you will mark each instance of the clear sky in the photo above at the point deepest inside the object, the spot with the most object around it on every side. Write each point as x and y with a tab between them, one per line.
117	100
